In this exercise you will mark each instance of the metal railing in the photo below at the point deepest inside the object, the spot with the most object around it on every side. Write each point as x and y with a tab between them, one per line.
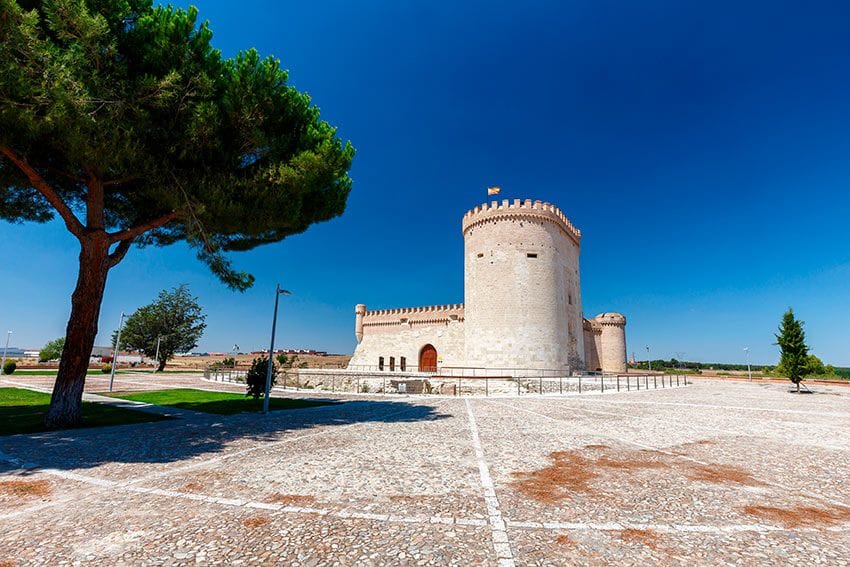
484	382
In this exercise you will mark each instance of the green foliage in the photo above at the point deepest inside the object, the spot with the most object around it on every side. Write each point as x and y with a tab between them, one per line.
106	368
286	361
256	377
228	362
132	95
10	367
791	339
174	319
814	366
52	350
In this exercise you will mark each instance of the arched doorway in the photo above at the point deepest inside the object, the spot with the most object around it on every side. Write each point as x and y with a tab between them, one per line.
428	359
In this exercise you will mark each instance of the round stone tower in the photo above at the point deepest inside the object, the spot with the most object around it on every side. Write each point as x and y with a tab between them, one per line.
359	312
521	287
613	353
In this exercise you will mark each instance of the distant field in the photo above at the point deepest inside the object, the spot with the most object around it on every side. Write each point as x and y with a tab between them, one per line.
195	363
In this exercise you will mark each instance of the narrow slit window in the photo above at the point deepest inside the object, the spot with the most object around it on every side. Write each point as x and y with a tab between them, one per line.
481	254
402	364
531	255
380	363
392	364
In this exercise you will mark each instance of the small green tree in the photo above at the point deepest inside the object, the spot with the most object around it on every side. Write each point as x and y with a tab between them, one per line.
10	367
792	344
52	350
814	366
256	377
286	361
174	320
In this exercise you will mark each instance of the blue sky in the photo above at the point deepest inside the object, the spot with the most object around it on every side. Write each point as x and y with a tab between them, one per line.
703	151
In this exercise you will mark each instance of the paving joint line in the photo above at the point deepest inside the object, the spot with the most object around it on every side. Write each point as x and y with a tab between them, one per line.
498	528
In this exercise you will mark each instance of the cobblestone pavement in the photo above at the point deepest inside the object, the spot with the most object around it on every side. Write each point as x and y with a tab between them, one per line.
715	473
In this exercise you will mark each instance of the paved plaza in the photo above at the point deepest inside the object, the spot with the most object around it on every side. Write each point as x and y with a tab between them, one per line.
712	473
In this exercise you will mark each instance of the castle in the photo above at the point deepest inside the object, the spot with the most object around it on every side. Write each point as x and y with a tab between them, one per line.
522	304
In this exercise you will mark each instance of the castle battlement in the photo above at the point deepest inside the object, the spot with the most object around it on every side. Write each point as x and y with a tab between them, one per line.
518	208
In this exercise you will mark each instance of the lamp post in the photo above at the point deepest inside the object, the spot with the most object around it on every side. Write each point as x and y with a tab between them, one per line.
278	293
156	356
749	371
5	348
115	352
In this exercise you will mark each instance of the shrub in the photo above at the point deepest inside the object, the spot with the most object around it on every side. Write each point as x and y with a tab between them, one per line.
106	368
256	377
10	367
229	362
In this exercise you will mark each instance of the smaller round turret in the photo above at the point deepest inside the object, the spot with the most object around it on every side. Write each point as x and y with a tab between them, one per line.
359	312
613	354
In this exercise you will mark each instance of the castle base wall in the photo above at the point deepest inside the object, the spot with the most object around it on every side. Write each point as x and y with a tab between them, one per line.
446	338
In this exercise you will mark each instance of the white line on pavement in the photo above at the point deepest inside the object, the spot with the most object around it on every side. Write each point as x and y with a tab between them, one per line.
498	529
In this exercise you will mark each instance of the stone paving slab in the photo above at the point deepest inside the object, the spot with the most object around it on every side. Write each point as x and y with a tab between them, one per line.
708	474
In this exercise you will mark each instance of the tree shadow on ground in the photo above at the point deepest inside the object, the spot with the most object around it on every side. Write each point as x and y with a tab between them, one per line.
202	436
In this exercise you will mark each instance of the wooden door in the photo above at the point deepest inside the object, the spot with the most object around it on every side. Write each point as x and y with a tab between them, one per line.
428	359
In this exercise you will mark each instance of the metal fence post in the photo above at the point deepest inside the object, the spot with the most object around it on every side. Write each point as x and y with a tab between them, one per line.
383	384
560	385
655	381
486	386
579	383
517	386
602	379
618	382
540	384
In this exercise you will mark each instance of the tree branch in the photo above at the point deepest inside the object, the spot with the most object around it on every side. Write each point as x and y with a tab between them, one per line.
120	181
119	252
71	221
134	231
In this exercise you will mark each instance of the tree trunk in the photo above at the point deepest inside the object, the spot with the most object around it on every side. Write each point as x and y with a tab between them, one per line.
66	401
798	386
161	366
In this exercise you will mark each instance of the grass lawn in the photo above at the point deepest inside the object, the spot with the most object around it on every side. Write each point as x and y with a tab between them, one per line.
53	372
23	411
223	403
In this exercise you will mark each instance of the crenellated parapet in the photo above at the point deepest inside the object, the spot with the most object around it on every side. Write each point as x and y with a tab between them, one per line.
612	319
519	209
381	319
592	326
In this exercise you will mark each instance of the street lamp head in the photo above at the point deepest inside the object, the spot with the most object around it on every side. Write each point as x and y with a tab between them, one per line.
284	292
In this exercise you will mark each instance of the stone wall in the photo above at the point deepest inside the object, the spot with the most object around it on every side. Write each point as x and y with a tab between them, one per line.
403	332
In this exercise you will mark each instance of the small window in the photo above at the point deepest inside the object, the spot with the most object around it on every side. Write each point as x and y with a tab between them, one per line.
481	254
380	363
531	255
571	298
402	364
392	364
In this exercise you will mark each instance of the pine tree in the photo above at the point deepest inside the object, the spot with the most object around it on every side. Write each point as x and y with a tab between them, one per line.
122	119
794	351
